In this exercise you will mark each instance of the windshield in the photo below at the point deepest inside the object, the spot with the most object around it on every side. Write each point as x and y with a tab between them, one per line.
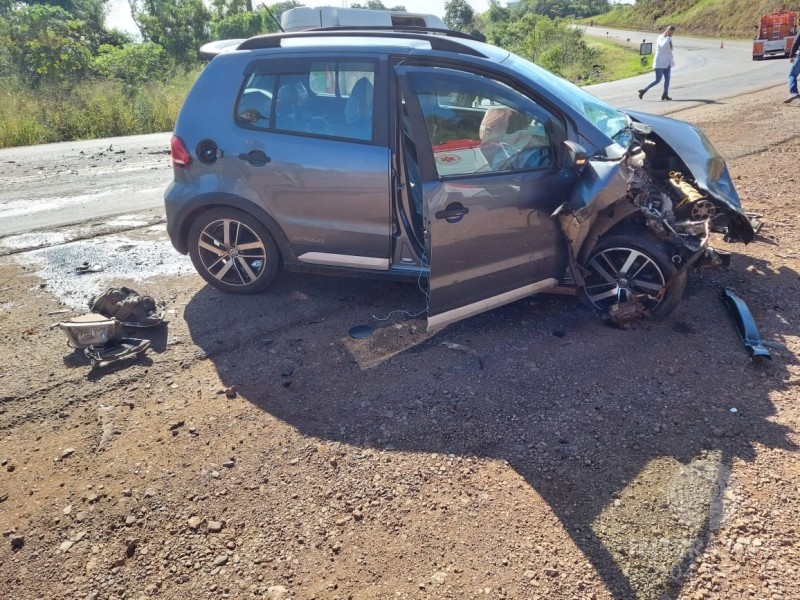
613	123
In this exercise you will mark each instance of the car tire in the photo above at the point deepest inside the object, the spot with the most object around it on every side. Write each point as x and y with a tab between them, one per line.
627	264
233	251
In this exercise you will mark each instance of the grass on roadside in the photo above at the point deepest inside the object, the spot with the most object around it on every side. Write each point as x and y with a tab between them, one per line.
619	62
90	110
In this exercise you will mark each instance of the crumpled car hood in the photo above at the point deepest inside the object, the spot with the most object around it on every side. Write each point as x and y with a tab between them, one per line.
706	166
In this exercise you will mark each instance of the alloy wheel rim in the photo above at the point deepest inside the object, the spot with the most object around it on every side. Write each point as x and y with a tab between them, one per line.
618	275
232	252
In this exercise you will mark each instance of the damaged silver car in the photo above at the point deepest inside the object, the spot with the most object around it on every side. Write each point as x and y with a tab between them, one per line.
413	154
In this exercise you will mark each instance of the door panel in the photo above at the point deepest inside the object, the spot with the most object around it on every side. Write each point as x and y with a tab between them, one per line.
490	184
314	159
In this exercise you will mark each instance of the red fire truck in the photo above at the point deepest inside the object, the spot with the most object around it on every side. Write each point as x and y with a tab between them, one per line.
775	34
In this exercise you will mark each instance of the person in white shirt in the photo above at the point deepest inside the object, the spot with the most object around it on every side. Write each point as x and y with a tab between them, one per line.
662	62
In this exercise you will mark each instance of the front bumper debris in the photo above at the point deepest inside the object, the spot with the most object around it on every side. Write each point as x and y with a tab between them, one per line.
746	325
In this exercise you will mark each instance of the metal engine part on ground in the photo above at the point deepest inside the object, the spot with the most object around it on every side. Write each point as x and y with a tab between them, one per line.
130	307
120	349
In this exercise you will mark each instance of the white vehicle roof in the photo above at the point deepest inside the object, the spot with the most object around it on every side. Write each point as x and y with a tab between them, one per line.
305	17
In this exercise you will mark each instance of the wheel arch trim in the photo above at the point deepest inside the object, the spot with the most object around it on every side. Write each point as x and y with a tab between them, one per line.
606	222
183	218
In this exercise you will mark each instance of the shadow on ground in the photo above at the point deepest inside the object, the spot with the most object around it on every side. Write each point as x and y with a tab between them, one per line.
628	435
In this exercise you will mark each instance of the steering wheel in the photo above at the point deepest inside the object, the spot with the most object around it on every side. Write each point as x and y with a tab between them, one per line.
529	157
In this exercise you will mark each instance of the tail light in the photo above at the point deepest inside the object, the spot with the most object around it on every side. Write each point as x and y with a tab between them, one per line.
180	155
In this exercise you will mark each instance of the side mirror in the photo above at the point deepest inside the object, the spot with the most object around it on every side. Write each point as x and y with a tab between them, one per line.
572	156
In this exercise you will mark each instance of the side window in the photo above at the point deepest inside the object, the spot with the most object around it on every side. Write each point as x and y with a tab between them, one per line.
355	82
477	125
254	106
325	98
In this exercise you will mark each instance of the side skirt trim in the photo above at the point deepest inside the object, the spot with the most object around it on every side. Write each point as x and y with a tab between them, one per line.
444	319
345	260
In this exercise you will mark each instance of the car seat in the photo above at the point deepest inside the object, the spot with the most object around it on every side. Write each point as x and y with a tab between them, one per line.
358	110
288	104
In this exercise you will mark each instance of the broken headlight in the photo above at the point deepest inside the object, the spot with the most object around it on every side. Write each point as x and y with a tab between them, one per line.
91	330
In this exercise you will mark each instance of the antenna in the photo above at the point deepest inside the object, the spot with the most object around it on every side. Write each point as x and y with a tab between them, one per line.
278	23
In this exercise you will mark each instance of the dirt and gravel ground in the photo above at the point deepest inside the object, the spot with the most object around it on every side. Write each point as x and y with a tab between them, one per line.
532	452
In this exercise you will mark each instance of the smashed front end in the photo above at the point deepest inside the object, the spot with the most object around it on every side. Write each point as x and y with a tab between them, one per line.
672	183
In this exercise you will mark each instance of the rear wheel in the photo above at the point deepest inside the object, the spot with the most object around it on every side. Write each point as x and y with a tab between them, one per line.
233	251
632	266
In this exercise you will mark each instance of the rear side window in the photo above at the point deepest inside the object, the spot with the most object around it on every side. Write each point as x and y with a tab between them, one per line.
326	98
254	106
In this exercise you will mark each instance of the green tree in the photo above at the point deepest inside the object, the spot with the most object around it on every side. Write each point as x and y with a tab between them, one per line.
548	42
88	15
224	8
239	25
133	64
91	12
458	15
496	13
178	26
44	43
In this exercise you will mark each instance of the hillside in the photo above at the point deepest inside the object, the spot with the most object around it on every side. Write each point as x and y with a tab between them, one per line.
729	18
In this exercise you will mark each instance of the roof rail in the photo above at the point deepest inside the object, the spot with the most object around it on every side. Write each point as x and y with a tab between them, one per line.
439	39
404	28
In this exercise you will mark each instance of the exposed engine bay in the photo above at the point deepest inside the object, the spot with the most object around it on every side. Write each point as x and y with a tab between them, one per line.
674	210
679	202
674	207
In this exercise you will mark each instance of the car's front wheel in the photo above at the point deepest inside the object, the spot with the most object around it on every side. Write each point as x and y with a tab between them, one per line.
233	251
632	267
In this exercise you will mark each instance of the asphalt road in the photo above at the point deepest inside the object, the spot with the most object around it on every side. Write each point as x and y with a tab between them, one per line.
705	71
51	185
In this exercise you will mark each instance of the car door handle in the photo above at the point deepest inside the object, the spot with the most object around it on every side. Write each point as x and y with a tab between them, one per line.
257	158
453	213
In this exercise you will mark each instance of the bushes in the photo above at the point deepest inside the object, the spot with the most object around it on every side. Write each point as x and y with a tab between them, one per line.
549	43
92	110
133	64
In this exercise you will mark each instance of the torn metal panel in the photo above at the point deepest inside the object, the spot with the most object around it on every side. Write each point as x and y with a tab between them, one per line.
602	184
746	325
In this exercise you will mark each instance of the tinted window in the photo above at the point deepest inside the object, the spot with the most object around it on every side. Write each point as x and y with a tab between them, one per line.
255	102
330	98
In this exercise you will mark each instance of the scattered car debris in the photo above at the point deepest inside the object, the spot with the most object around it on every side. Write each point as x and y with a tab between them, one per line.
756	219
100	334
746	325
361	332
130	307
470	351
101	356
101	339
624	313
91	330
87	267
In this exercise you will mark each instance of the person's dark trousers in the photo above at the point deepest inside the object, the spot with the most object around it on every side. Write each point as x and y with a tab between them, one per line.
660	73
